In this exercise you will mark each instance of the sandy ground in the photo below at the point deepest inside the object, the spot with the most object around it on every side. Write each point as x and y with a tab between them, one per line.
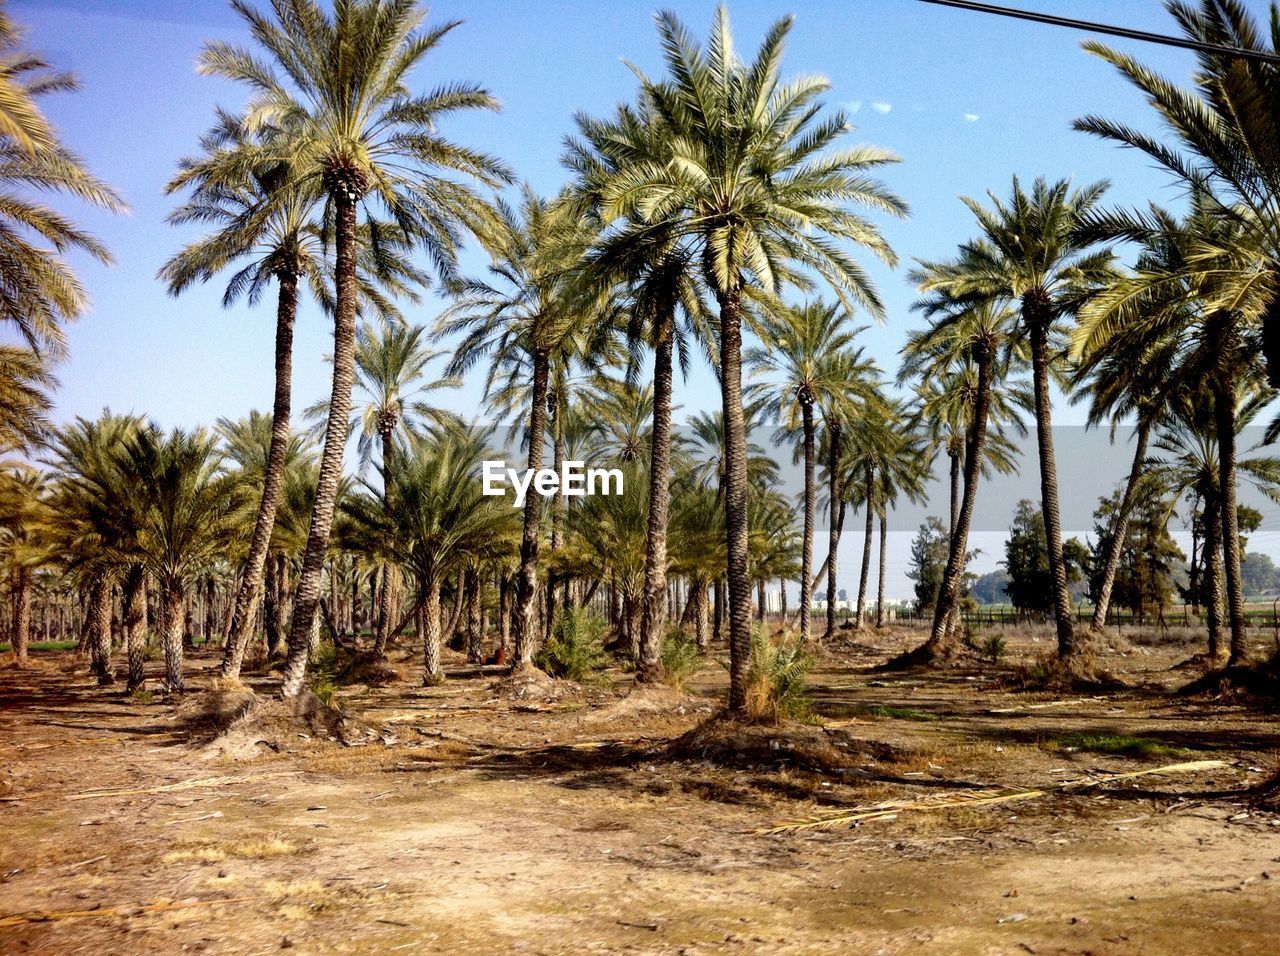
563	821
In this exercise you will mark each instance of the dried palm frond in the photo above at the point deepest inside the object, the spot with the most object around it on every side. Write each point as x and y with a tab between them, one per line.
970	798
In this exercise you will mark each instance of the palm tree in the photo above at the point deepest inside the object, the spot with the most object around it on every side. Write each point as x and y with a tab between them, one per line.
440	522
905	468
976	344
698	545
40	293
250	444
180	504
659	281
528	320
391	361
1197	296
807	351
347	125
751	184
25	403
267	229
22	547
1032	251
93	528
1188	460
1222	134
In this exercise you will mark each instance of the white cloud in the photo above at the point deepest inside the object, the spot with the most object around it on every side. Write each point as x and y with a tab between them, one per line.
853	106
882	107
972	117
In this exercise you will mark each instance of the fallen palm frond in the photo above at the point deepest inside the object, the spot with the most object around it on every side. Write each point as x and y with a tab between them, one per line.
164	906
971	798
181	785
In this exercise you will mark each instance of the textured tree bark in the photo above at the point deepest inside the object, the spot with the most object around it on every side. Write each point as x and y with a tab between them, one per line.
100	629
249	591
556	426
475	632
654	620
135	625
1120	528
810	513
735	496
432	671
955	456
865	571
1224	411
525	633
698	599
335	441
942	636
1036	316
835	508
1214	575
173	599
21	636
884	553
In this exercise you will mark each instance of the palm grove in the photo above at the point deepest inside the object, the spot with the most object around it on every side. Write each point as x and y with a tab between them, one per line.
720	213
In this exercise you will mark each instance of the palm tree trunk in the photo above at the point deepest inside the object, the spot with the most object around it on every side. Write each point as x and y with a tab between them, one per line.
270	597
698	598
654	622
1036	316
1120	528
173	599
525	635
135	625
954	455
432	671
1224	411
1213	574
556	425
810	513
282	601
735	497
866	544
99	629
247	595
884	553
20	639
835	509
942	635
335	442
475	634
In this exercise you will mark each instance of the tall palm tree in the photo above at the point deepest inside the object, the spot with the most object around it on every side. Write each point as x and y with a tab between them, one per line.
659	279
266	228
25	402
1032	252
1198	294
752	184
978	343
806	351
40	293
350	127
527	318
904	471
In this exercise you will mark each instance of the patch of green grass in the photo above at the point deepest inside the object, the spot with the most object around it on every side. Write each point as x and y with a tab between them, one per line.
898	713
43	646
1121	745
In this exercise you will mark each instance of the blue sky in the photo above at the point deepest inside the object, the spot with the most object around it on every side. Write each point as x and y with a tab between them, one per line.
966	100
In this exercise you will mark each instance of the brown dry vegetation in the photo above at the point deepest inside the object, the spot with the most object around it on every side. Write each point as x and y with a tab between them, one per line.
490	815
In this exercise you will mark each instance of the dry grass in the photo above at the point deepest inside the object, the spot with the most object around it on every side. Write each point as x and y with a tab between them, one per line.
266	848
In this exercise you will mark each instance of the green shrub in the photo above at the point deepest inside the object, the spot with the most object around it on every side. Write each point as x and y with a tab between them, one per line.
322	672
680	658
993	648
775	678
576	649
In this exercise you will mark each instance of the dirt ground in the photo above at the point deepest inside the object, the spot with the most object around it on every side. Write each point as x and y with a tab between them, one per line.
483	817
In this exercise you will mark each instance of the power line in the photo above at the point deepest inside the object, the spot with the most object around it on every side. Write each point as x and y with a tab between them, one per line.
1091	27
